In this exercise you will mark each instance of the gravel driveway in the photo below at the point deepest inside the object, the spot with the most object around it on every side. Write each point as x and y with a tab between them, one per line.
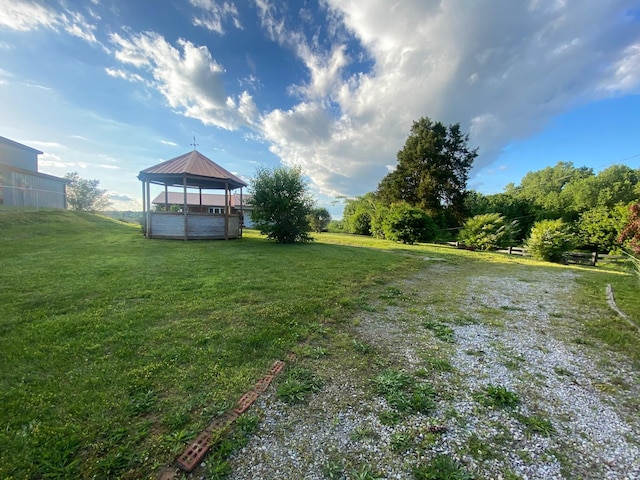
574	404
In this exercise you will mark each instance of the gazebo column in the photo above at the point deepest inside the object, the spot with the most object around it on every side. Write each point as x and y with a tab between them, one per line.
241	218
185	208
226	211
148	207
166	197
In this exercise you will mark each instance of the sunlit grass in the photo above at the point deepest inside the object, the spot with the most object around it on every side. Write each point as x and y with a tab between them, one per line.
116	350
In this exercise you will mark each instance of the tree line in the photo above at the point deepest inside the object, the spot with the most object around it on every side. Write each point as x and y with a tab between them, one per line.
561	207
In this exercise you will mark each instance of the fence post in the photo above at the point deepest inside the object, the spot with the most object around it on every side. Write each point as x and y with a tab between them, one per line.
594	258
510	250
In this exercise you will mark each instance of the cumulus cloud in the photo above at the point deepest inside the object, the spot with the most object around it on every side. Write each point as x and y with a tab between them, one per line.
187	76
501	69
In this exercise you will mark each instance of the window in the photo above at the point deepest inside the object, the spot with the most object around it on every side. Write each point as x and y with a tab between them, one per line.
215	210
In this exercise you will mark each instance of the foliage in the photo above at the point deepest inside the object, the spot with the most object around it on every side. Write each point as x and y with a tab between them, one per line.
281	204
442	467
407	224
613	186
630	235
319	219
549	240
403	393
359	213
497	396
84	195
543	188
488	232
600	227
298	384
507	205
432	171
336	226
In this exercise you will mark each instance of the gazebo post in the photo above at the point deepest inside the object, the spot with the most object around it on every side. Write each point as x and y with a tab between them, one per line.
144	210
148	209
226	211
166	197
241	219
185	208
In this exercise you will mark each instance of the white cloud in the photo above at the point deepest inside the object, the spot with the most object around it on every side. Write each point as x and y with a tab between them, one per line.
625	77
167	142
53	160
215	14
187	76
502	71
24	16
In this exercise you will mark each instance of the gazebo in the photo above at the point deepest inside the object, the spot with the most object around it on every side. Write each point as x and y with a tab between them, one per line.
191	171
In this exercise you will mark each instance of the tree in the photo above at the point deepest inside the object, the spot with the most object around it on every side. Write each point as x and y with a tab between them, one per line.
84	195
507	205
281	204
630	235
488	232
543	188
319	219
433	169
358	213
407	224
600	227
549	240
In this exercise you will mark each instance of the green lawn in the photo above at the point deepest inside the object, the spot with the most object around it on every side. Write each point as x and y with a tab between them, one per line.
115	350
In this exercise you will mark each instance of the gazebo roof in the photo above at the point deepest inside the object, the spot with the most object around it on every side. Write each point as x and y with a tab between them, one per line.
196	169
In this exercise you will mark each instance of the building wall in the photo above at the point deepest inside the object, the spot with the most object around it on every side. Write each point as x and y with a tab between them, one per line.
14	156
21	188
20	183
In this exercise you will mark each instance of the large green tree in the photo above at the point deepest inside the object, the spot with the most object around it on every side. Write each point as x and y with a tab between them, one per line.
84	195
544	188
432	171
281	204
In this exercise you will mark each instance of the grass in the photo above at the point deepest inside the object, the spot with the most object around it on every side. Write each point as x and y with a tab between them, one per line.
115	350
497	396
111	343
404	393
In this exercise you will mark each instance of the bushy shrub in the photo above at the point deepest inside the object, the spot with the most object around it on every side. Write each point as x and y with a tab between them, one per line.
281	204
600	227
488	232
407	224
549	240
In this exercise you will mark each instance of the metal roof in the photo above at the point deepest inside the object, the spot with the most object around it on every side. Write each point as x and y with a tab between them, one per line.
15	144
196	169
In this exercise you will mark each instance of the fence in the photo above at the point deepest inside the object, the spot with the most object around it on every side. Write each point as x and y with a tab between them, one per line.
575	258
12	196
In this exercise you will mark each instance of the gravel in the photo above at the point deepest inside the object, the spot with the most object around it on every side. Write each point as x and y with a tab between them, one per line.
520	333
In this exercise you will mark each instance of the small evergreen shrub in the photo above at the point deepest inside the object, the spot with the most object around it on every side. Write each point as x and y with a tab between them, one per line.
407	224
549	240
488	232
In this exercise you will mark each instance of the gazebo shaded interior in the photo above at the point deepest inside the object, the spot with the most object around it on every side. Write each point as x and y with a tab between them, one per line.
191	170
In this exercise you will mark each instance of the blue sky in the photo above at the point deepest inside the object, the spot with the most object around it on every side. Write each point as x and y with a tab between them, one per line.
110	87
